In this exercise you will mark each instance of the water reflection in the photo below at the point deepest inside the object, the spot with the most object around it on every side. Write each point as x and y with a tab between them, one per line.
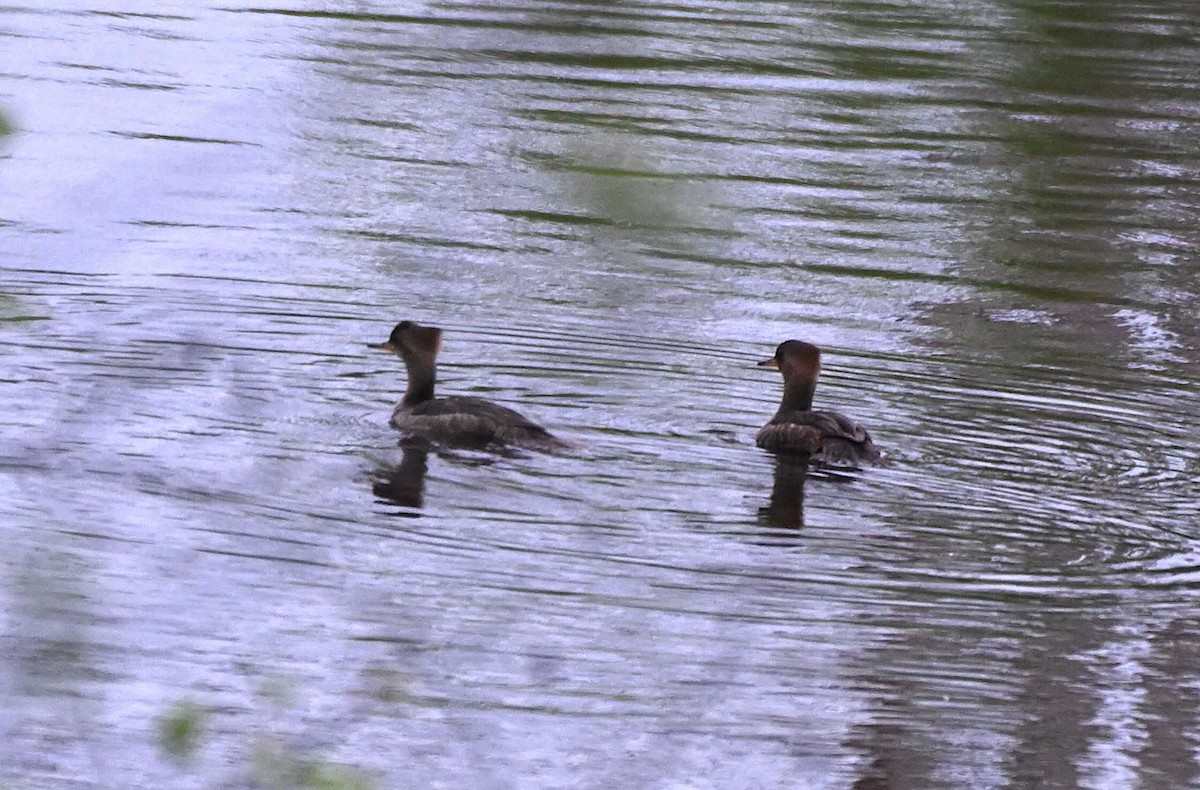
404	483
785	511
988	214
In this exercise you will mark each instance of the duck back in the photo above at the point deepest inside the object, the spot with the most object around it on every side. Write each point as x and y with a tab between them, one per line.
471	421
826	436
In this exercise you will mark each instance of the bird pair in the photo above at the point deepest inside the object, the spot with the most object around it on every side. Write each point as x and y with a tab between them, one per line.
796	429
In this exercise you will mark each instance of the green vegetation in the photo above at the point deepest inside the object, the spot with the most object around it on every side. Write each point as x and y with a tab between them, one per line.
275	762
275	766
180	730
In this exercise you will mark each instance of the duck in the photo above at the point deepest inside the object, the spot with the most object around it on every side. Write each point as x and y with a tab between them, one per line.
826	437
458	419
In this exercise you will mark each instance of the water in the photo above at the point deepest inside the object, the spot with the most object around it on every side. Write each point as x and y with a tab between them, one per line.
985	214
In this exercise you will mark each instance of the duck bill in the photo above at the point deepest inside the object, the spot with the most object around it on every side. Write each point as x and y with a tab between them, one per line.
769	363
384	346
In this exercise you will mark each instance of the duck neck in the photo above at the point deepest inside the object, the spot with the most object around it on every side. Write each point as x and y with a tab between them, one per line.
421	378
798	394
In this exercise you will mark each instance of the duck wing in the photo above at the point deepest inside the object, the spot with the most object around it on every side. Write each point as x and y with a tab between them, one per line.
829	436
472	421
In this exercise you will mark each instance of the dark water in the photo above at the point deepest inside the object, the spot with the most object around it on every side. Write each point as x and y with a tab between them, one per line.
986	213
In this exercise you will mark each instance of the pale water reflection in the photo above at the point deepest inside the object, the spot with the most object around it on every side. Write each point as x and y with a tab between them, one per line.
223	570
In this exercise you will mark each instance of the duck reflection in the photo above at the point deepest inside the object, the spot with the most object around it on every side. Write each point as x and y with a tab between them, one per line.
786	507
404	484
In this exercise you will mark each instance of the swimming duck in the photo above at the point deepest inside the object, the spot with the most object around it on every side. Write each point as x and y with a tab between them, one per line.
824	436
458	419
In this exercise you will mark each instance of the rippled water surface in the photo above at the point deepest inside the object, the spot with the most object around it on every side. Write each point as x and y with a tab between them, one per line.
221	570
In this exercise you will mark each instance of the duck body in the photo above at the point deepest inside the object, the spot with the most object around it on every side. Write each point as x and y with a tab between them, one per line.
458	419
462	419
827	437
